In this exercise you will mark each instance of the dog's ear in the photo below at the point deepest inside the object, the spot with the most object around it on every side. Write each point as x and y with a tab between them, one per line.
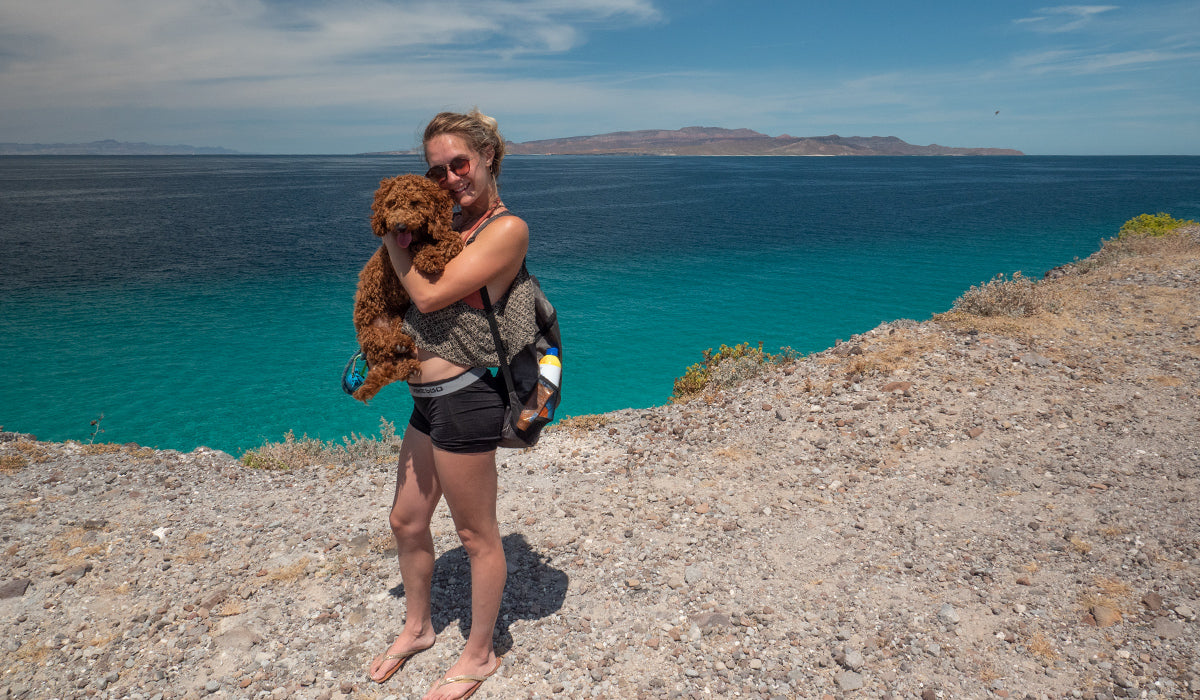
380	205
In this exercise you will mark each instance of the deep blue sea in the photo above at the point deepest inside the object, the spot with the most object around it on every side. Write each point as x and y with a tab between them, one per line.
207	300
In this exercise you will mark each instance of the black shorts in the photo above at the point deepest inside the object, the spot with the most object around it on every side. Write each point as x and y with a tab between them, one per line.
467	420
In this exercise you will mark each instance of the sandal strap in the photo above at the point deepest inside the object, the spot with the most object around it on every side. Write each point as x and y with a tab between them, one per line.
472	679
462	679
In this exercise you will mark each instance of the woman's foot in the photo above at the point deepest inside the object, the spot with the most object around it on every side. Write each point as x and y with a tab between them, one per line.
404	648
462	680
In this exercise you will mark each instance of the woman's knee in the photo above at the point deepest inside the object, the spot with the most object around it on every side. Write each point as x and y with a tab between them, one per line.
481	541
407	525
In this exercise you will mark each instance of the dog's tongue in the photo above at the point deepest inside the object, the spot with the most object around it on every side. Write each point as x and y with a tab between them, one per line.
403	238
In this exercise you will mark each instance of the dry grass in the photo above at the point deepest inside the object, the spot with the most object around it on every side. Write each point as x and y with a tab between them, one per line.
33	651
1162	380
13	463
1041	648
76	546
580	425
731	453
291	573
901	350
230	607
35	452
299	452
133	450
196	551
987	672
1108	593
1080	546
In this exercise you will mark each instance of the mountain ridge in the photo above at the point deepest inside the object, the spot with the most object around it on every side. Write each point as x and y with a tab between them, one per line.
109	147
699	140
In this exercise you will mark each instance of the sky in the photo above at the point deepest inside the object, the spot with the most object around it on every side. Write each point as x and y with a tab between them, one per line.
354	76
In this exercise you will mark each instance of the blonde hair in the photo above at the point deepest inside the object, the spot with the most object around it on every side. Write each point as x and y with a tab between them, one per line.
478	129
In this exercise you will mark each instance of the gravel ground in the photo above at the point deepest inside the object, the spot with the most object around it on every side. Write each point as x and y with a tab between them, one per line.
965	507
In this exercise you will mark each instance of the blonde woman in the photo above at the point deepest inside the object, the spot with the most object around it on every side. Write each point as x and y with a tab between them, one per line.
449	447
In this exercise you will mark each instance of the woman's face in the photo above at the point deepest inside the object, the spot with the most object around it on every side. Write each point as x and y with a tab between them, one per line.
472	189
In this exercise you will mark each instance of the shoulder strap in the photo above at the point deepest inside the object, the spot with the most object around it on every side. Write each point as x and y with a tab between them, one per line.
485	223
501	352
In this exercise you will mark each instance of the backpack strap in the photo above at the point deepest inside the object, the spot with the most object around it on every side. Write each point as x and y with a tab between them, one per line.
501	352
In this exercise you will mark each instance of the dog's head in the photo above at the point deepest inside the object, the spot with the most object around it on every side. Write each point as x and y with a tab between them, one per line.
413	203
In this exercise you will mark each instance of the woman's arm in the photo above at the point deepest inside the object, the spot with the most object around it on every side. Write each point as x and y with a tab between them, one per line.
493	258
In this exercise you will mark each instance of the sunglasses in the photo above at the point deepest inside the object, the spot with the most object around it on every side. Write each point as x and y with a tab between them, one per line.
460	166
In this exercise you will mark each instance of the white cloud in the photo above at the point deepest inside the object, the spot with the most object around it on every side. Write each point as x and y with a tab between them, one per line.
211	52
1064	18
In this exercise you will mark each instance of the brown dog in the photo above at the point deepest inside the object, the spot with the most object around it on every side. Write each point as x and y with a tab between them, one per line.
424	211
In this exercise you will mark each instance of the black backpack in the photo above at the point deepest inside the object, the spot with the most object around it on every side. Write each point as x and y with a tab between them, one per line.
521	374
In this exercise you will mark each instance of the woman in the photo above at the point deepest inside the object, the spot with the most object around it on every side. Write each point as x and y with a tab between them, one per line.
449	447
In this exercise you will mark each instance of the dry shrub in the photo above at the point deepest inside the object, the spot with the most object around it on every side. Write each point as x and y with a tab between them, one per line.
1107	592
1042	648
1016	297
294	453
231	607
579	425
13	463
76	546
1163	380
36	452
1079	545
196	550
290	573
34	652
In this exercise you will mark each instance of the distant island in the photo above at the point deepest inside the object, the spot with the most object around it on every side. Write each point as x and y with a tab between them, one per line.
712	141
108	147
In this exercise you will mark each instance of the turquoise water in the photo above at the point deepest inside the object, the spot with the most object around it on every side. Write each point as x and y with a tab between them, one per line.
207	300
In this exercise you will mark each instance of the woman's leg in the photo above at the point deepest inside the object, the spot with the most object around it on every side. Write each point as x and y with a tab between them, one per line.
417	495
468	482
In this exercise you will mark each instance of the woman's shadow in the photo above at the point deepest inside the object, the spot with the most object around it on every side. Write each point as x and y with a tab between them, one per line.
534	590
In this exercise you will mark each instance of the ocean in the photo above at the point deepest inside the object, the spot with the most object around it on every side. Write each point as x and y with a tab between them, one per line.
206	300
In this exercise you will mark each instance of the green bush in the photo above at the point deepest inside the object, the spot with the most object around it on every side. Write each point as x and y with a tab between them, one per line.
726	367
1160	224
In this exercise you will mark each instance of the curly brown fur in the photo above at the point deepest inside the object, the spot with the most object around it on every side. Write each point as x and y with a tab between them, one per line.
423	209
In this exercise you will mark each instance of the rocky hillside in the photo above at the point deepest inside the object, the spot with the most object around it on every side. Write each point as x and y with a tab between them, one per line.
968	507
696	140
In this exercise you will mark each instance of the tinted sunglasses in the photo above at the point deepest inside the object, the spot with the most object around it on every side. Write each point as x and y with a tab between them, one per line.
460	166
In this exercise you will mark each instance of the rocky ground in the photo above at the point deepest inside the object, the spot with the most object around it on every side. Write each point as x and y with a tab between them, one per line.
964	508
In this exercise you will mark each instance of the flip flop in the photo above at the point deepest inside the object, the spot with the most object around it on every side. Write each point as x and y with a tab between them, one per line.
391	657
478	680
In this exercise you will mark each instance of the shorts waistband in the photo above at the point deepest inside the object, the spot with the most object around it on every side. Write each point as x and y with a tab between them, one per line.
448	386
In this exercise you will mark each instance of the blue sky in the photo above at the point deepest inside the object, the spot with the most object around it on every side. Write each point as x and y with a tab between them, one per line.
308	76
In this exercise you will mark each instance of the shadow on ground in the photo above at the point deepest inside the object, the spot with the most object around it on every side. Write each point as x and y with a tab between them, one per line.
534	590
